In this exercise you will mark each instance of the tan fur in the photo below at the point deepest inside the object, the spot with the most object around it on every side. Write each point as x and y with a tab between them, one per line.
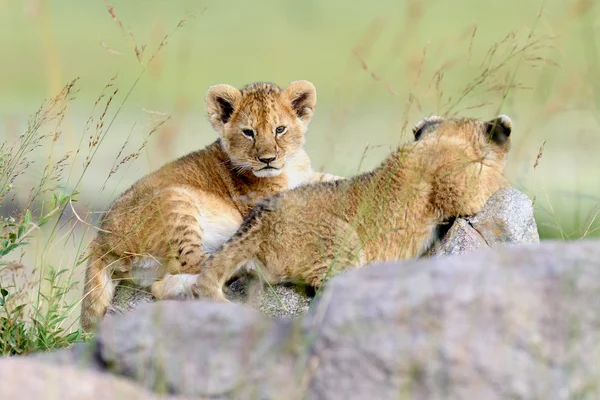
309	233
170	219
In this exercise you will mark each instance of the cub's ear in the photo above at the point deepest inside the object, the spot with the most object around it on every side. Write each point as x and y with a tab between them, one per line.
427	124
498	130
221	100
302	96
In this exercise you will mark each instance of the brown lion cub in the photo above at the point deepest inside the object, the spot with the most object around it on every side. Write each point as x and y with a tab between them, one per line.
169	220
391	213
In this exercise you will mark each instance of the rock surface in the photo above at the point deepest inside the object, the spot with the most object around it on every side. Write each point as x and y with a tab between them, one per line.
276	301
22	378
506	218
511	322
202	349
128	297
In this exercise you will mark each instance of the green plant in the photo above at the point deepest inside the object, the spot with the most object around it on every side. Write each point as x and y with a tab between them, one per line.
37	305
28	324
44	331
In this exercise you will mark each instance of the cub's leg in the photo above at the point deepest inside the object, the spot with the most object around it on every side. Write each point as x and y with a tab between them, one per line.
179	236
217	221
323	177
142	238
289	248
243	247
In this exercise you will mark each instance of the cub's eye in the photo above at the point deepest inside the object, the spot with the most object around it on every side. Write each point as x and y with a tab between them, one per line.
280	129
248	132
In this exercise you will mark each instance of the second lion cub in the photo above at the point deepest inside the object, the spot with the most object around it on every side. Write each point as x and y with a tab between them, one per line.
391	213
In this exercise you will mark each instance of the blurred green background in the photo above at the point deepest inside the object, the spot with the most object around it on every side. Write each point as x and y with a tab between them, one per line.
379	66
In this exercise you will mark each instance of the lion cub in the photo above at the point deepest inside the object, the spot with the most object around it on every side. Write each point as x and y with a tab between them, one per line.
391	213
169	220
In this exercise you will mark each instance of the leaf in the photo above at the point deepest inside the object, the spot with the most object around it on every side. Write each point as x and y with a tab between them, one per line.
21	231
25	223
3	292
7	249
74	336
62	271
27	217
18	308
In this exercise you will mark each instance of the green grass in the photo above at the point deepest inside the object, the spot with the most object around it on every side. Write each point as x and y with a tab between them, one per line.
33	304
49	43
378	67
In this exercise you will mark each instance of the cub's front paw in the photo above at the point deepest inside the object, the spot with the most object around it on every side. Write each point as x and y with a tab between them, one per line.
178	287
158	290
325	177
208	291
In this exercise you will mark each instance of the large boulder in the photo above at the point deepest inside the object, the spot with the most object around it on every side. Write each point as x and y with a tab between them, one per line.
517	323
506	218
203	349
511	322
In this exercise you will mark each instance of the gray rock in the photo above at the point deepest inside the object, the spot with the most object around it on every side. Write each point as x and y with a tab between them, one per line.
285	300
275	301
128	297
201	349
507	217
81	355
461	238
513	322
23	378
510	322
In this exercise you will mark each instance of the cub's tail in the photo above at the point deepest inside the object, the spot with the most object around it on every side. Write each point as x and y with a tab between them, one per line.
98	291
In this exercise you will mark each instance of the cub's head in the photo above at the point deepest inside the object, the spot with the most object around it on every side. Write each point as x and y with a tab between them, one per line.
261	126
467	158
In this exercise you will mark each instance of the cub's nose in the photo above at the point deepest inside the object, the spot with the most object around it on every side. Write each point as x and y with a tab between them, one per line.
267	160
